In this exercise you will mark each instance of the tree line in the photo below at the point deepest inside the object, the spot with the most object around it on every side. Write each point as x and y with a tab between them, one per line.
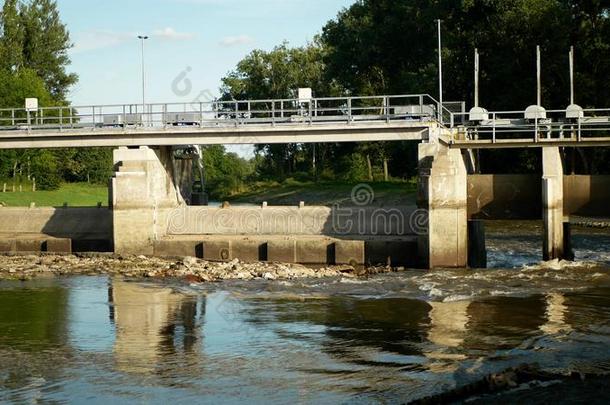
385	47
373	47
34	46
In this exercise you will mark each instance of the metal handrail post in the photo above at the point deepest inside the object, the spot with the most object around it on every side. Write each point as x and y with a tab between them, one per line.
273	113
200	114
349	110
310	112
386	101
493	139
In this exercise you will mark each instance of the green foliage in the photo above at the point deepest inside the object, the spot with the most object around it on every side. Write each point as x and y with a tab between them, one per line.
225	173
46	44
353	167
389	47
44	169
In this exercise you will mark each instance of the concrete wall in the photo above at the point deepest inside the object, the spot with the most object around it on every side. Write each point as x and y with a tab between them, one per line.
90	229
519	196
504	196
344	221
587	196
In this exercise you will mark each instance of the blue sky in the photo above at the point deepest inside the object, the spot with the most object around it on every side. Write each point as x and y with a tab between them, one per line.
200	39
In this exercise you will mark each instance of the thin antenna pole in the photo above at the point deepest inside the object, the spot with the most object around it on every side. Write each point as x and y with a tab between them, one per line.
538	76
571	75
476	77
440	72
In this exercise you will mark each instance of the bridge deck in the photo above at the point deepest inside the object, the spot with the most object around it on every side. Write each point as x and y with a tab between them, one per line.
196	135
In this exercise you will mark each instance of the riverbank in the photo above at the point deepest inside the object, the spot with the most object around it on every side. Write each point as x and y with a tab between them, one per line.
74	194
328	193
188	269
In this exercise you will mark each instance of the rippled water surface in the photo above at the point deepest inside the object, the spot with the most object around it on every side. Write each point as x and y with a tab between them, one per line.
390	339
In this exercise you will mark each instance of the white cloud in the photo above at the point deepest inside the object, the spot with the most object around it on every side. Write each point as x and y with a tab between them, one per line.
171	34
98	39
236	40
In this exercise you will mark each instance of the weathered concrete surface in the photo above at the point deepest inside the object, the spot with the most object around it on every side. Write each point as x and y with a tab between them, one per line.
587	195
519	196
33	243
142	185
315	220
443	198
504	196
552	204
73	223
395	130
89	229
319	250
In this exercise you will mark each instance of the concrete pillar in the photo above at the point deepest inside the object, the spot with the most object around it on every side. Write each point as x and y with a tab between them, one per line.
143	184
443	197
552	204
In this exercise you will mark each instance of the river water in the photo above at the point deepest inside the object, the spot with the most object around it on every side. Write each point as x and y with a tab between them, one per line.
387	339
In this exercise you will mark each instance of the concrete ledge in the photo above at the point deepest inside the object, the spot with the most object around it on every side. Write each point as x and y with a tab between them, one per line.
350	252
219	250
7	245
58	246
305	250
314	251
29	245
249	250
168	248
282	251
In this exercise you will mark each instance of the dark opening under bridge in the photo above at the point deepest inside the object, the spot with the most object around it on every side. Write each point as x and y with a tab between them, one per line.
151	188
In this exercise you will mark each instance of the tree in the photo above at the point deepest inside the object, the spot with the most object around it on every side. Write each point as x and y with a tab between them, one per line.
46	45
277	75
12	37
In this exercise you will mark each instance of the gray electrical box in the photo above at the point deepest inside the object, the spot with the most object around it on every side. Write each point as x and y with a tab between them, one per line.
415	109
115	120
185	118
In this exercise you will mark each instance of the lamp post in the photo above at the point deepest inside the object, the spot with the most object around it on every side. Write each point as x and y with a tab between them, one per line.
440	72
143	38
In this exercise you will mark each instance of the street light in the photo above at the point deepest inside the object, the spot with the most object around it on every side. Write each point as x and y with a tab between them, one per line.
142	38
440	72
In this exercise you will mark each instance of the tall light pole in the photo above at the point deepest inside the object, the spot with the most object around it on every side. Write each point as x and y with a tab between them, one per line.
440	72
143	38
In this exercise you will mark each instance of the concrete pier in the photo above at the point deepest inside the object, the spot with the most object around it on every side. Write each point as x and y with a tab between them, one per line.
552	204
443	198
143	184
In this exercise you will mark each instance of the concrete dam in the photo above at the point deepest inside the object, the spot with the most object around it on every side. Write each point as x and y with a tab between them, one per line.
150	214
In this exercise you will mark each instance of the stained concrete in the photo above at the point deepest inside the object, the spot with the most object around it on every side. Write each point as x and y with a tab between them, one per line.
396	251
552	204
442	199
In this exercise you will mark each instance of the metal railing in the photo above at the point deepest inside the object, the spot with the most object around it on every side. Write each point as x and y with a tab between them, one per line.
415	107
513	126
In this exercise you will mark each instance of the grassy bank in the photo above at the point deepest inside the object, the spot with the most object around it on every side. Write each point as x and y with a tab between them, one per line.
75	194
329	193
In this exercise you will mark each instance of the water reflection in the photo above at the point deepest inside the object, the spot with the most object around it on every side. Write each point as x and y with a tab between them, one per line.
556	311
266	343
448	329
153	324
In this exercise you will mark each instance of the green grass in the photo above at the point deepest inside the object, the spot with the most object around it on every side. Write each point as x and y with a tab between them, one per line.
75	194
327	193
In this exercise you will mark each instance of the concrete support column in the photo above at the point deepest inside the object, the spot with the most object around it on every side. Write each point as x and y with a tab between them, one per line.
552	204
143	184
443	197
